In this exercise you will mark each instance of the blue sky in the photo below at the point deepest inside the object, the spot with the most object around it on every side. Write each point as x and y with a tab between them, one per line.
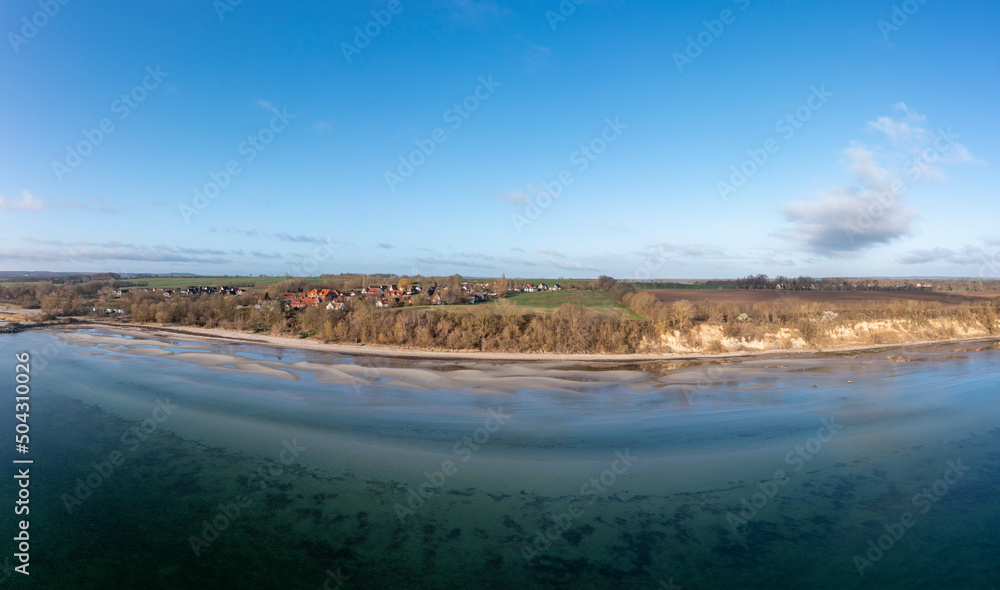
712	139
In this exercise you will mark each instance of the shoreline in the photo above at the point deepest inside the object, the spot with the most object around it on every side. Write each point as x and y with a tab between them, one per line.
415	353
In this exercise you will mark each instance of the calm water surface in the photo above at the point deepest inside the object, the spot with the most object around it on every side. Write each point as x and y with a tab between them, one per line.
178	464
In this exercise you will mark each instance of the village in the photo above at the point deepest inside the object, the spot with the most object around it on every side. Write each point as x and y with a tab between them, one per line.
384	296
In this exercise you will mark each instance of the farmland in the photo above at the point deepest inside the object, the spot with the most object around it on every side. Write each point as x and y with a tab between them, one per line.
548	302
541	303
777	297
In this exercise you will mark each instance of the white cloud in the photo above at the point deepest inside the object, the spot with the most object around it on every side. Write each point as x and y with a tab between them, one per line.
960	154
987	261
86	252
302	239
910	113
475	11
92	203
774	259
664	251
922	148
895	130
904	130
27	202
517	198
861	162
282	236
845	220
536	55
615	227
571	265
453	262
661	260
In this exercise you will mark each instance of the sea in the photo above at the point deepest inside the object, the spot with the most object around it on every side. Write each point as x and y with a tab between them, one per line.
171	462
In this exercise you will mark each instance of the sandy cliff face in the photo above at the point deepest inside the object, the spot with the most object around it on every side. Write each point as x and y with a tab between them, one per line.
710	338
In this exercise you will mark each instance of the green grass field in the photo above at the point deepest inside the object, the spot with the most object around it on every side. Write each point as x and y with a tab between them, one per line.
547	302
538	303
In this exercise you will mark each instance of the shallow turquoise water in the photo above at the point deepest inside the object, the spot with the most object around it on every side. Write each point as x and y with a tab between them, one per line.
741	475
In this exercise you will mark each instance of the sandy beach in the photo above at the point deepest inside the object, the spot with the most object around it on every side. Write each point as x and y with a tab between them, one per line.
481	376
8	315
411	353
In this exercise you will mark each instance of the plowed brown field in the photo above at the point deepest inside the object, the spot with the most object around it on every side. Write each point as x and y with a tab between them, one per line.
765	296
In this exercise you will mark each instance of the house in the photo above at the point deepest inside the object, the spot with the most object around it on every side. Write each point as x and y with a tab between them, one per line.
439	295
336	305
300	302
323	294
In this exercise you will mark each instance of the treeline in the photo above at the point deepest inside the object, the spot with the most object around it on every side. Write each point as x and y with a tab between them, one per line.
680	315
66	299
810	321
801	283
570	329
56	278
806	283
